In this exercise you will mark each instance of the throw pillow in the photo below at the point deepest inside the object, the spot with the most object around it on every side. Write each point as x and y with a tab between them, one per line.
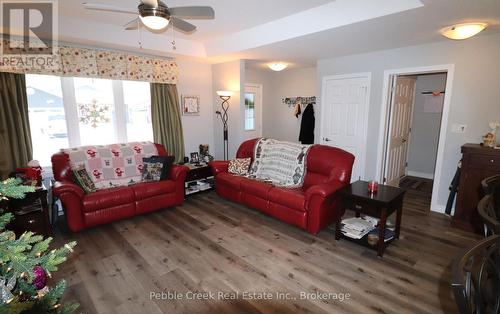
156	168
83	179
239	166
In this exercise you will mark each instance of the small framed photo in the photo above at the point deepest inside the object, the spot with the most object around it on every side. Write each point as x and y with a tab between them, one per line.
190	105
195	158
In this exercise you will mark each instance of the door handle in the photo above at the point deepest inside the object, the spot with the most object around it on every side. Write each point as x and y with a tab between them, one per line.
404	140
326	139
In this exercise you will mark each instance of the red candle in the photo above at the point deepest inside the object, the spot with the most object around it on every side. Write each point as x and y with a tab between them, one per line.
373	186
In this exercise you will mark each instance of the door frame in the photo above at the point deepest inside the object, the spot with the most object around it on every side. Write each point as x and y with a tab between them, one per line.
366	75
261	97
382	141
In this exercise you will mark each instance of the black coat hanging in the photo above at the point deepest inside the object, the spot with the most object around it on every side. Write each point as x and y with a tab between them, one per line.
306	135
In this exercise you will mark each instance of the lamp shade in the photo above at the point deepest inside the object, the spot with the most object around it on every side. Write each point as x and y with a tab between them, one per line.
224	93
154	22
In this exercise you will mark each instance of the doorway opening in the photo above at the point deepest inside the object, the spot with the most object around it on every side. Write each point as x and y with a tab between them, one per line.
416	112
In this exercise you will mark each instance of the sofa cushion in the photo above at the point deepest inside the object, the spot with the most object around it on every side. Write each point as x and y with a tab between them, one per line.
107	198
149	189
293	198
230	180
256	188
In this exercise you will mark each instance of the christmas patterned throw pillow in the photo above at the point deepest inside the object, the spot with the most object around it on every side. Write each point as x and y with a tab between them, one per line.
239	166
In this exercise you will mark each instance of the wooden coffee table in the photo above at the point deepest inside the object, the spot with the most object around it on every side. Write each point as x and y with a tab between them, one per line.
382	204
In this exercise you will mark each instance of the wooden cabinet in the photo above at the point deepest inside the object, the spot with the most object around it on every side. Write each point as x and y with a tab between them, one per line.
478	162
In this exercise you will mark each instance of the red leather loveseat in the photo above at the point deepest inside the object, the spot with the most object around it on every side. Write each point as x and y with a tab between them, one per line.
312	207
87	210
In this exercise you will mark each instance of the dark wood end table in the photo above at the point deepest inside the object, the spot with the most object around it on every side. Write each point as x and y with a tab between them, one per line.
382	204
198	173
30	214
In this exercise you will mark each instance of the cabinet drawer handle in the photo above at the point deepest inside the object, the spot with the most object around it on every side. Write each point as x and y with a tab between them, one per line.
358	206
31	221
492	161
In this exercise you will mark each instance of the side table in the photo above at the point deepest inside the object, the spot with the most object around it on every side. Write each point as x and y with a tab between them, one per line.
198	179
382	204
30	214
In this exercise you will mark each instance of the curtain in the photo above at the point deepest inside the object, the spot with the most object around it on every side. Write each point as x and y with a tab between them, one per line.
15	135
166	119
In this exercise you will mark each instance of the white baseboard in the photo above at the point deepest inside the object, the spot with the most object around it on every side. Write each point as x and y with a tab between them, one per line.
420	174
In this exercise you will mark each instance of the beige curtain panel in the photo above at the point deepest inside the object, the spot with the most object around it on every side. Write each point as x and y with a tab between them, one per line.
15	136
166	118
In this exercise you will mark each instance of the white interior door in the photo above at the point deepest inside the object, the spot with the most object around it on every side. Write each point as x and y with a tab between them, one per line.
403	94
345	116
252	112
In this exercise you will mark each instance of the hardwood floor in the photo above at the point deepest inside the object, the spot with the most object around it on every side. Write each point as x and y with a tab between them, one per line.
213	245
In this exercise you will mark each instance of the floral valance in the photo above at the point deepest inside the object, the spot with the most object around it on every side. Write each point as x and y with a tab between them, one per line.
85	62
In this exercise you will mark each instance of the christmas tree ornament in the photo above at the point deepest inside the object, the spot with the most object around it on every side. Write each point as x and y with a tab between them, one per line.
40	280
6	287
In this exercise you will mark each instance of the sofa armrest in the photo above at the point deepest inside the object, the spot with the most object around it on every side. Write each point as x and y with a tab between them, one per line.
219	166
61	187
323	205
178	173
71	196
324	190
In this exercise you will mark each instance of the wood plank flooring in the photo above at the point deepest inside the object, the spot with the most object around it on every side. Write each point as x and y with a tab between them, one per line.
213	245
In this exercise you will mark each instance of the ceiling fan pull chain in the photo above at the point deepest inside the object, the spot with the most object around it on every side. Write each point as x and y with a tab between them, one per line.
173	37
139	33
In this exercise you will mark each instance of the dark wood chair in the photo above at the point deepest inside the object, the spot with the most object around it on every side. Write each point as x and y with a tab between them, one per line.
489	206
476	278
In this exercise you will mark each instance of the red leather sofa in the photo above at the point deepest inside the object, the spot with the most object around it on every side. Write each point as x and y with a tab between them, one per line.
312	207
87	210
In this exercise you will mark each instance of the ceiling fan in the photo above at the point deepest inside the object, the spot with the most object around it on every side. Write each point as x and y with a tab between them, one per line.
155	14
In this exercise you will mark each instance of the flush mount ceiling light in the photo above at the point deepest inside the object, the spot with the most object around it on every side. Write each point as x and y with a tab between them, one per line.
463	31
277	66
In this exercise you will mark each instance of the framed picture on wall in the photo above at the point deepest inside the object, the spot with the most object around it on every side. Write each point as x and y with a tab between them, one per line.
190	105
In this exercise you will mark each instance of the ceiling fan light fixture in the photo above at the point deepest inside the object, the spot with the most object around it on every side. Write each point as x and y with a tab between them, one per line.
154	17
154	22
277	66
463	31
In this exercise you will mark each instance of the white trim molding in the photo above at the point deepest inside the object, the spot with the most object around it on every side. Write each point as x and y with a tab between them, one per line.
450	71
420	174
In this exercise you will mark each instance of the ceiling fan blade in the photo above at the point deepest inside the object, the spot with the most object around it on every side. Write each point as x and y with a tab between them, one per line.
134	24
108	8
195	12
182	25
152	3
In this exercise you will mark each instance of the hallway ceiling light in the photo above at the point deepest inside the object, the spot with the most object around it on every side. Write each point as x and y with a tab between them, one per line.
463	31
277	66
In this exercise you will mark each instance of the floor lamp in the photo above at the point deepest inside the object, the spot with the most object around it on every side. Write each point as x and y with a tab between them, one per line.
225	96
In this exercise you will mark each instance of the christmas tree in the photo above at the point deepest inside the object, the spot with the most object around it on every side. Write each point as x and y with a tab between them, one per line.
26	264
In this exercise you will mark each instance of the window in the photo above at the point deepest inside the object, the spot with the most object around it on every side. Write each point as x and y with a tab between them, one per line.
67	112
249	111
96	111
137	97
47	116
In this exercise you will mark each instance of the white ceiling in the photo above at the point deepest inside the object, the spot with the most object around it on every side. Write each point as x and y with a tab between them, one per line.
295	31
231	15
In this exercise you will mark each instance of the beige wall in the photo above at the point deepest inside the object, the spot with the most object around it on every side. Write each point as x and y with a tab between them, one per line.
196	79
475	99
